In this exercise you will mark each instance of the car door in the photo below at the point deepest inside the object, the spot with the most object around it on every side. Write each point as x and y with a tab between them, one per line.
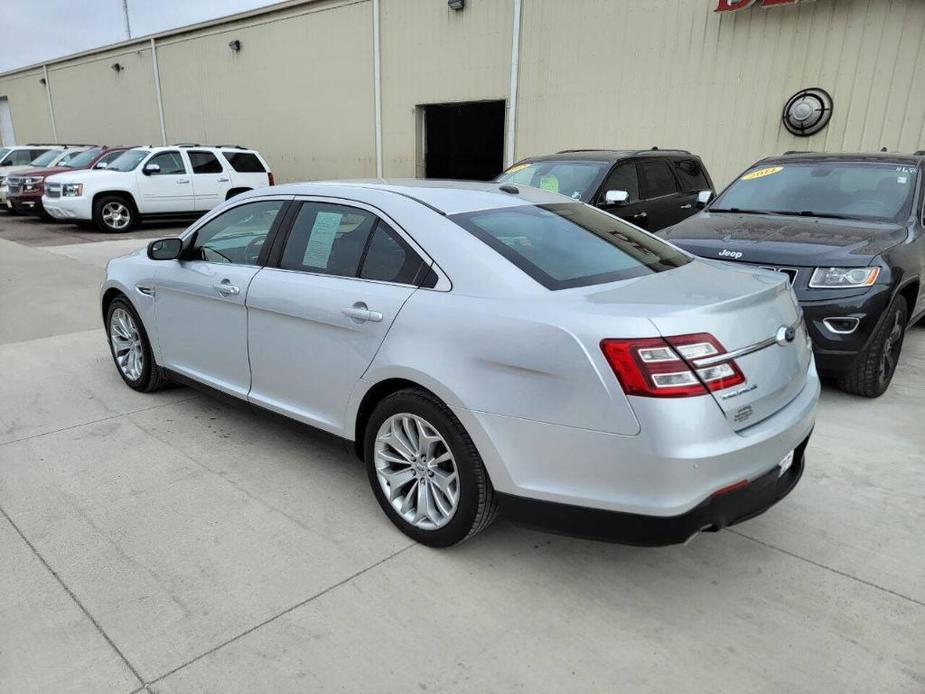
200	300
211	182
692	179
624	177
164	184
661	193
317	319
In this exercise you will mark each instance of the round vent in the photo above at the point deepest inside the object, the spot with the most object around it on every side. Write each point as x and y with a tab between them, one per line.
807	112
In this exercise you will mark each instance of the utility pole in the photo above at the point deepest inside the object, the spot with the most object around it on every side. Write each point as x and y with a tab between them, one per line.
128	25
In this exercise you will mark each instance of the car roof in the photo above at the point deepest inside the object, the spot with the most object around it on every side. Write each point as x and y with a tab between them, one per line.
445	197
606	155
875	157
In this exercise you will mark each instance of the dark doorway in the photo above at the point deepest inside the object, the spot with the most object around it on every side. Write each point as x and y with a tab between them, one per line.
464	140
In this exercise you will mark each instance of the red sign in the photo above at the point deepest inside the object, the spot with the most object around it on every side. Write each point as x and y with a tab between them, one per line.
734	5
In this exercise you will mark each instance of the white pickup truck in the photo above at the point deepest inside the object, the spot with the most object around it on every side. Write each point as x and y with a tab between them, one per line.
183	180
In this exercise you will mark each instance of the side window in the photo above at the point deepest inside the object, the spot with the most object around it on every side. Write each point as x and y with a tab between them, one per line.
238	235
244	162
623	177
389	258
327	238
20	157
204	162
691	175
170	163
657	178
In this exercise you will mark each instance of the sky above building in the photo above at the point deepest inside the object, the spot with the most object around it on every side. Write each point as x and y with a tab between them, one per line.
39	30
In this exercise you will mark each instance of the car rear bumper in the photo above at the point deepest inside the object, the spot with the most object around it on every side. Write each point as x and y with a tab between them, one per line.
67	208
717	512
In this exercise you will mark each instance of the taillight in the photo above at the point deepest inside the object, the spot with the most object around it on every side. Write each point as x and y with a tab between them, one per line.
270	176
659	367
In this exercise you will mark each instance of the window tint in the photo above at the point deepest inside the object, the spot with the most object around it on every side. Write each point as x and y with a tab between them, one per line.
170	163
624	178
569	245
21	157
389	258
238	235
110	157
327	238
128	160
45	158
204	162
577	179
657	178
245	162
691	175
81	159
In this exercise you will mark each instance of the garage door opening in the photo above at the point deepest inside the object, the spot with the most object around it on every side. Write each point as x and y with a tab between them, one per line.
464	140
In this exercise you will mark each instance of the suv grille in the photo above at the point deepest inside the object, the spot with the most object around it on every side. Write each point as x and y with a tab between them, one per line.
14	185
791	272
53	190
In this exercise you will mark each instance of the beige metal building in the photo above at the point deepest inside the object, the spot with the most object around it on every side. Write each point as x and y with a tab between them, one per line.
352	88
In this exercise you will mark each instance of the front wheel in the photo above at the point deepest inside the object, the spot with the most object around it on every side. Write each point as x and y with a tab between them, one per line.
425	471
874	368
114	213
131	349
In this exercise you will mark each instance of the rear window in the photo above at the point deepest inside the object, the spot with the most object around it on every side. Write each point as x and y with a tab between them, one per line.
244	162
566	245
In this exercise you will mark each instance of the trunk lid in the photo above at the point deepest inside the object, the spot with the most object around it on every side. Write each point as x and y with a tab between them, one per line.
743	309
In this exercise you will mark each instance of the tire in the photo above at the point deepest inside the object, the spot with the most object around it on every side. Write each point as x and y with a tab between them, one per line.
476	504
873	370
148	377
114	214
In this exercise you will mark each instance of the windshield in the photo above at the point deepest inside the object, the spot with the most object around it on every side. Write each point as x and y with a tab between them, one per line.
80	160
570	245
128	161
3	152
577	179
46	158
881	192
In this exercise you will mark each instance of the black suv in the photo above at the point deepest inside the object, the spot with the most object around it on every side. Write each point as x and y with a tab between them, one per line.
651	188
848	231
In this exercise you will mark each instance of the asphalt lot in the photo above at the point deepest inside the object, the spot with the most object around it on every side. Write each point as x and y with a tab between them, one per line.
176	543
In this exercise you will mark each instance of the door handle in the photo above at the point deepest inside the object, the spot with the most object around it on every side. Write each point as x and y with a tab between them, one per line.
360	312
641	214
182	180
223	180
226	288
686	207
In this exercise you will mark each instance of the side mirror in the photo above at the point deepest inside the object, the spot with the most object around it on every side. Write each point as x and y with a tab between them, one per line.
151	169
165	249
102	165
703	197
616	197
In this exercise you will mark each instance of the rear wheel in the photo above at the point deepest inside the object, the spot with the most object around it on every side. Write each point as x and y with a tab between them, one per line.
425	471
114	213
874	368
131	349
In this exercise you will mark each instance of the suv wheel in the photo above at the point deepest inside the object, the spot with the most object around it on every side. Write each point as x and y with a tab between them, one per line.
114	213
131	350
872	372
425	471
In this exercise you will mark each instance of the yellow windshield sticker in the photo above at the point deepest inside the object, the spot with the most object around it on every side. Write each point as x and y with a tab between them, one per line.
515	169
761	173
550	183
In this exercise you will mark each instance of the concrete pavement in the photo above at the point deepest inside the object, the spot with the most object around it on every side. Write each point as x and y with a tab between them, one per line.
175	543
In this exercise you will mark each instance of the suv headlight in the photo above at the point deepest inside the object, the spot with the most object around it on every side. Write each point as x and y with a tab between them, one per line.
843	277
72	190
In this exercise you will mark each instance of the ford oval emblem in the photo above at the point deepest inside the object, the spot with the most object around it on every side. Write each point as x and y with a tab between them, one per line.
785	335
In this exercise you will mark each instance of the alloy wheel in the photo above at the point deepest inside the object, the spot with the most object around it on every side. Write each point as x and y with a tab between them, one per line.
892	347
116	215
126	344
416	471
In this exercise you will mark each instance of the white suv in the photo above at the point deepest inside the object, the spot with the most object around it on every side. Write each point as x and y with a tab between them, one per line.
172	181
18	158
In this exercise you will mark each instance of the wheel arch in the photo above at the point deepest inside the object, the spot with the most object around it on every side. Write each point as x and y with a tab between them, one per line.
127	195
910	292
236	191
373	396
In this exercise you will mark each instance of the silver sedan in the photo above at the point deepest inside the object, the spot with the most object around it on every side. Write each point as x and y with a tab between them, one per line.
485	347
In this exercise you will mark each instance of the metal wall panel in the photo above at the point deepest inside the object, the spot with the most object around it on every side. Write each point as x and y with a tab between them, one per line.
672	73
300	90
95	104
432	54
28	106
